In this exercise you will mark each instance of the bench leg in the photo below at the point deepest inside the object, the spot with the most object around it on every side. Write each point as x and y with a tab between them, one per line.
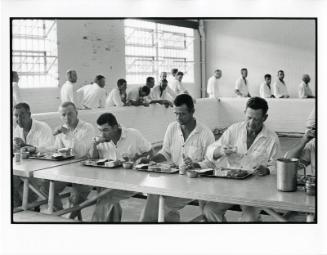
51	197
161	214
25	193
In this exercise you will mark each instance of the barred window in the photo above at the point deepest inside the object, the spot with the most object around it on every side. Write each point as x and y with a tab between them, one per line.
152	48
34	52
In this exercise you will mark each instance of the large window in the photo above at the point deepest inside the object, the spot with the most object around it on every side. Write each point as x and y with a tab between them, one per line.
151	48
34	52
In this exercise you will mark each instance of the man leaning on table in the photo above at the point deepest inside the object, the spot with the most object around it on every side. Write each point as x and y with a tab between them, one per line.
116	143
76	134
184	144
30	135
248	145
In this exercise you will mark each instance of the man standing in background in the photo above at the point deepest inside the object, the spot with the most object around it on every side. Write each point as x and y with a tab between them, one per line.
67	89
304	89
265	88
213	86
279	87
242	84
15	88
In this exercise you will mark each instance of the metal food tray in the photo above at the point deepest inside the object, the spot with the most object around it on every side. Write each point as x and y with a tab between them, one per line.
49	157
94	164
210	173
171	170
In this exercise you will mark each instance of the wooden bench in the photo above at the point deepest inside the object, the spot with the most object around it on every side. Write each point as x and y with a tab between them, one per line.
31	216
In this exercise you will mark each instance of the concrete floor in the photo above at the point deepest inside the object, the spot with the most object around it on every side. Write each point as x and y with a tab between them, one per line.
133	206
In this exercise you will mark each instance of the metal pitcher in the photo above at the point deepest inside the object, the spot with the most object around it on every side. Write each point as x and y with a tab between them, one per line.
287	173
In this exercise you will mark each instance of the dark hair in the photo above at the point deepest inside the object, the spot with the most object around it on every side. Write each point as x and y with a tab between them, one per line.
148	79
120	82
180	73
174	70
23	106
13	74
146	90
66	104
280	71
184	99
257	103
107	118
267	76
217	70
98	77
244	69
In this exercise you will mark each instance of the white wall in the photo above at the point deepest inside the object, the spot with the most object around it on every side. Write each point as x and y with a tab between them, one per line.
262	46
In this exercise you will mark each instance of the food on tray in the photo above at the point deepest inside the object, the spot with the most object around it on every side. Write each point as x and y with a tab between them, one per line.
101	162
160	167
192	174
65	151
231	173
128	164
112	163
57	156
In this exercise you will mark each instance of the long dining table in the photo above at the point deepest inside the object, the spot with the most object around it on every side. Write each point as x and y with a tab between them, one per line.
25	170
254	191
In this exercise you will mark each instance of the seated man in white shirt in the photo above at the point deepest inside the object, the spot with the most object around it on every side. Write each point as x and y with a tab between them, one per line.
93	95
136	96
15	88
213	84
67	89
115	143
29	135
279	87
256	148
78	135
160	95
117	97
184	144
304	88
265	87
242	84
172	75
150	84
177	86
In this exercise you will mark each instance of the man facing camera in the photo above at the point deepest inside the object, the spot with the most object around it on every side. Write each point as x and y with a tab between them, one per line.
304	88
242	84
279	87
117	97
184	144
265	87
247	145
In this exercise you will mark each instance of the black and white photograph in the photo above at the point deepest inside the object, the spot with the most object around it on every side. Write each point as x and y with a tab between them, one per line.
143	133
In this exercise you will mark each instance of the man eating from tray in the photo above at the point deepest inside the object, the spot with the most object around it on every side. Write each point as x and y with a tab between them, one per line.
185	144
31	136
77	135
247	145
116	143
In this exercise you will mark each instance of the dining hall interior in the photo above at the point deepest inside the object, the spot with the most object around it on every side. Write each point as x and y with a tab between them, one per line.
120	75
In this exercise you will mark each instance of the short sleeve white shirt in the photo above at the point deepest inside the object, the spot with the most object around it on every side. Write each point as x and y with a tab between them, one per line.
114	98
265	90
280	89
39	136
92	96
16	93
177	87
194	147
67	92
134	94
131	142
213	87
166	94
242	86
80	139
304	90
263	151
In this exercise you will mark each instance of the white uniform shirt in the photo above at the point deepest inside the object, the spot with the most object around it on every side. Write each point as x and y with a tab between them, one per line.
131	142
134	94
80	139
280	89
16	93
265	90
167	94
213	87
242	86
304	90
67	92
92	96
309	155
263	151
194	147
114	98
39	136
177	87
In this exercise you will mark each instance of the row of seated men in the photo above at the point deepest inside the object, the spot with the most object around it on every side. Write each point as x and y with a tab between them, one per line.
187	143
267	90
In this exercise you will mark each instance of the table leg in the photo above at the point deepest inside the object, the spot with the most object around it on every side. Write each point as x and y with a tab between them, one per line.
161	214
25	193
275	215
51	197
310	217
